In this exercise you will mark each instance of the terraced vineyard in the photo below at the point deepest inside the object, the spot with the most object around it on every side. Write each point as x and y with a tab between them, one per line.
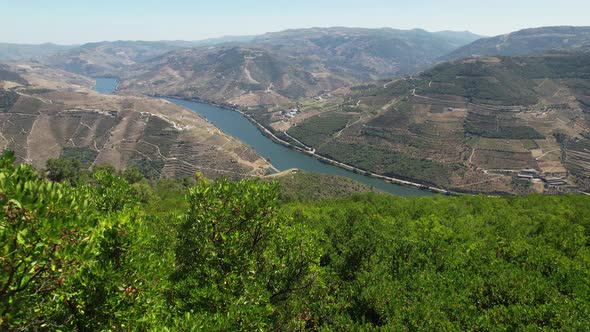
155	136
470	125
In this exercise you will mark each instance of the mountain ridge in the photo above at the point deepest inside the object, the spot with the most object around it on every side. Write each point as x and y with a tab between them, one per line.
316	60
528	42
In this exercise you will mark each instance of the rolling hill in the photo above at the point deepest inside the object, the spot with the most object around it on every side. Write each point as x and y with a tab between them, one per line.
363	54
108	58
528	42
238	75
277	67
470	125
41	121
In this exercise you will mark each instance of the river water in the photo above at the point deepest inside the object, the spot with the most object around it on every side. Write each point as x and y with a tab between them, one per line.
283	158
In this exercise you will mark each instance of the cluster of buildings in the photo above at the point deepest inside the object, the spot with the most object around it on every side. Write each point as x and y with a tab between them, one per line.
530	174
323	96
290	113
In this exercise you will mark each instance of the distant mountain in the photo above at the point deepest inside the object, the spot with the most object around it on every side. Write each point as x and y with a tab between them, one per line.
240	75
108	58
470	125
260	70
362	54
528	42
112	58
16	52
282	66
459	37
221	40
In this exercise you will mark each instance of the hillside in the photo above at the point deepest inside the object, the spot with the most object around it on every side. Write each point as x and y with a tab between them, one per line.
528	42
298	185
41	121
470	125
277	67
107	58
362	54
238	75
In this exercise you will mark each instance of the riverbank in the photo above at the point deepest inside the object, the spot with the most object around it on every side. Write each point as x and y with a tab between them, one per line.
310	152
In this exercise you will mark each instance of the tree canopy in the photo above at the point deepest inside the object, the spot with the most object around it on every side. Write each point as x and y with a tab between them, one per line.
217	255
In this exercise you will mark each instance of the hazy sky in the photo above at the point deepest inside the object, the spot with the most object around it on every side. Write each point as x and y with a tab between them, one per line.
78	21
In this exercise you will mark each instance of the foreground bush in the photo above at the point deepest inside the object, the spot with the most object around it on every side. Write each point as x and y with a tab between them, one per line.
229	256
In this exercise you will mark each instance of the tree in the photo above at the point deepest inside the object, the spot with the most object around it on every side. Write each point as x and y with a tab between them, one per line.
227	270
45	236
65	252
63	169
132	175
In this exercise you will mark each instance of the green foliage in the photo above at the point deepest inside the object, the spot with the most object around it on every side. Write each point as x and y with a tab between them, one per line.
150	169
381	161
7	99
84	156
169	196
45	236
228	272
110	192
132	175
307	186
230	256
466	263
63	169
319	128
67	254
505	132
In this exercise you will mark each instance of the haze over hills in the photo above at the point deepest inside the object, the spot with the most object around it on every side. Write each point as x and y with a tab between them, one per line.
16	52
259	70
469	125
108	58
23	52
290	64
363	54
528	42
41	120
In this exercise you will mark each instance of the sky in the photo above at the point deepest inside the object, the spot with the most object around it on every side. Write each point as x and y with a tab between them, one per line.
81	21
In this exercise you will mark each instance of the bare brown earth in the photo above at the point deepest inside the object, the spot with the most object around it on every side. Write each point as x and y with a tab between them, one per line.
154	135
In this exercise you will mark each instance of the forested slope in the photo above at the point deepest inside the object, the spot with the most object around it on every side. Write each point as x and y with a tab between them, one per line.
102	250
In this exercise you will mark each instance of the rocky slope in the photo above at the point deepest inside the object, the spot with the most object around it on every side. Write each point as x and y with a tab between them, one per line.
40	121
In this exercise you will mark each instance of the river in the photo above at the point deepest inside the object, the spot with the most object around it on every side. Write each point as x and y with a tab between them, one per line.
283	158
